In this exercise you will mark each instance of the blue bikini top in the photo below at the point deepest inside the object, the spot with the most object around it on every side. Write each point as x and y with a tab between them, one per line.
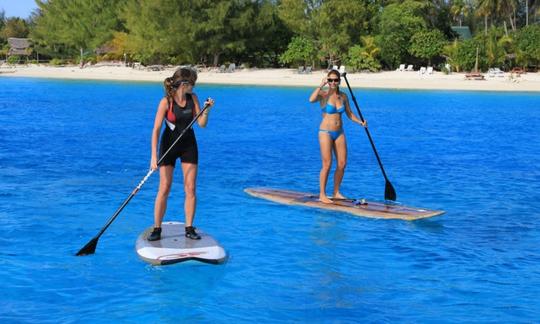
329	109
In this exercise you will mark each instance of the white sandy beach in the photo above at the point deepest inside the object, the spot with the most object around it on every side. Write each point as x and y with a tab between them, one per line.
288	77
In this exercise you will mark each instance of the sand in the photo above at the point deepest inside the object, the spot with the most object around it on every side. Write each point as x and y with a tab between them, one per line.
286	77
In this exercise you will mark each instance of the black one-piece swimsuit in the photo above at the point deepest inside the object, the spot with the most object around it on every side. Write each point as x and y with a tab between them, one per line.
186	147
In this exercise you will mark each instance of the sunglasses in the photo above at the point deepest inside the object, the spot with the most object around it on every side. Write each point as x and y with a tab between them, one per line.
332	80
181	82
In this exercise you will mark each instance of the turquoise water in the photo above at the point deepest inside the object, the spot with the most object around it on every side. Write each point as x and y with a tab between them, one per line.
72	151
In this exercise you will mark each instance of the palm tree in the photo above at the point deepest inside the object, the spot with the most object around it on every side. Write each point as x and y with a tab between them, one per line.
486	8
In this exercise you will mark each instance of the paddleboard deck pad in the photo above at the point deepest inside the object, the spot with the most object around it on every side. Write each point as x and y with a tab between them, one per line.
174	247
358	207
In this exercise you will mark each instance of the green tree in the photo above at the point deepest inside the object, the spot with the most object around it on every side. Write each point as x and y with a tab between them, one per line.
427	44
300	51
497	46
15	27
466	55
397	23
77	24
364	57
527	41
160	30
338	23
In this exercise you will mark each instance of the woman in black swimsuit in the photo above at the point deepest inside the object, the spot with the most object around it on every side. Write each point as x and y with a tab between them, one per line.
178	108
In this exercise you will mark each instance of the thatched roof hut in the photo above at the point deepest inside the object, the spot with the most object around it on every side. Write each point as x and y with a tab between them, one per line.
18	46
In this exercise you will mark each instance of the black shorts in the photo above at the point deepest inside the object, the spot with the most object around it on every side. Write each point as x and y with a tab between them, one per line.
185	149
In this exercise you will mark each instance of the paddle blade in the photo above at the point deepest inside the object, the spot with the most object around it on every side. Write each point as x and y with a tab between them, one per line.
389	192
89	248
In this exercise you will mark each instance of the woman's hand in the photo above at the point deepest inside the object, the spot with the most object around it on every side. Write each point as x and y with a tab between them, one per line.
153	163
209	102
363	123
323	82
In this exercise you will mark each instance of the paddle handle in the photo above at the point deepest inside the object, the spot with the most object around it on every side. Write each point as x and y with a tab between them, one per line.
365	128
389	191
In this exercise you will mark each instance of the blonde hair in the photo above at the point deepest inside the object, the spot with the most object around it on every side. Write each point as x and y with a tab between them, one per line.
172	83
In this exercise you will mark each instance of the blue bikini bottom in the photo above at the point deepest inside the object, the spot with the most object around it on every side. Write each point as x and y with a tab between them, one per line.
333	134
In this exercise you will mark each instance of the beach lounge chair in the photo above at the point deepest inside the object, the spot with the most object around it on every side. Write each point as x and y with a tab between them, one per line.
401	68
495	72
429	70
474	76
301	70
410	68
308	70
342	69
422	70
222	69
231	68
335	67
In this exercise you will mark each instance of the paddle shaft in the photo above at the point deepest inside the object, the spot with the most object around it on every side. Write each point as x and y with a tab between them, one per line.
367	130
139	186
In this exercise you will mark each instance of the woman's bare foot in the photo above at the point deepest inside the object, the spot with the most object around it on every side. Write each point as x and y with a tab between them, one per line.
325	199
338	195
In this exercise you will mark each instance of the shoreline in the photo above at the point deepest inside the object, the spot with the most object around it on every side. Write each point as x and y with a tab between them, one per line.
529	82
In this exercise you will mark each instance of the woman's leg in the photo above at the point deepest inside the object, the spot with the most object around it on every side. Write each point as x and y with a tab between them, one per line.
190	177
165	182
325	141
340	149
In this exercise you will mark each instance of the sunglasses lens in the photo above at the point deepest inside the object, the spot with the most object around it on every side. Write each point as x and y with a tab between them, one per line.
333	80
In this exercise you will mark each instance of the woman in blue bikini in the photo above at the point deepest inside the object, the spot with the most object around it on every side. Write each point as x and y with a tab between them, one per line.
331	137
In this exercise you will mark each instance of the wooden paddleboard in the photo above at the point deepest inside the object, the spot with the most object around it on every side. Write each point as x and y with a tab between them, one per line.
358	207
174	247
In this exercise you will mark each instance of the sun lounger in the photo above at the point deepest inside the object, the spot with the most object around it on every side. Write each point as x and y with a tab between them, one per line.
222	69
342	69
429	70
231	68
401	67
474	76
308	70
410	68
422	70
301	70
493	72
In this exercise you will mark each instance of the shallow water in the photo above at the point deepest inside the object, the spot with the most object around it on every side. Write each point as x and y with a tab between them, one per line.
72	151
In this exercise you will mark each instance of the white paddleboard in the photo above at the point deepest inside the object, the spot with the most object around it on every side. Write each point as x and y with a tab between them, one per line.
174	247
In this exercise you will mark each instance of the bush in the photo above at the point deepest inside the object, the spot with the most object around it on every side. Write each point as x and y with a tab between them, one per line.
56	62
14	59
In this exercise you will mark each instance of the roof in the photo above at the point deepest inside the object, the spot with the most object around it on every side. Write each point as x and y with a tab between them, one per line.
19	43
463	32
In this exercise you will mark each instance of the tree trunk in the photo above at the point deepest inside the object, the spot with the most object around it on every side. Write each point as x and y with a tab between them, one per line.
216	59
505	29
82	62
485	24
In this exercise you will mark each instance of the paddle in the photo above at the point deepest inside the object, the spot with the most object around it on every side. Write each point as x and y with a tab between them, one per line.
90	247
389	192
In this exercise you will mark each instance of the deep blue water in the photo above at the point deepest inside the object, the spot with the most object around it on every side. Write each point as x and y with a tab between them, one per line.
72	151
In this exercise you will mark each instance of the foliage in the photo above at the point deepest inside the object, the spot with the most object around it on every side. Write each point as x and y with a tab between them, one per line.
364	57
528	45
15	27
300	51
398	22
497	46
466	55
339	23
14	59
75	24
427	44
56	62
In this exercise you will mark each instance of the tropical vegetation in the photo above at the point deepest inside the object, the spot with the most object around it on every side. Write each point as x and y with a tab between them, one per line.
365	35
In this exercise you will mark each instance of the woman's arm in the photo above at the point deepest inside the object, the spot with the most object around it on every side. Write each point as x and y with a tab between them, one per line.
203	120
318	93
158	121
350	114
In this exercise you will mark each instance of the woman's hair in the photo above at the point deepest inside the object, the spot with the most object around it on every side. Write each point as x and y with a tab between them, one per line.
182	74
336	73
